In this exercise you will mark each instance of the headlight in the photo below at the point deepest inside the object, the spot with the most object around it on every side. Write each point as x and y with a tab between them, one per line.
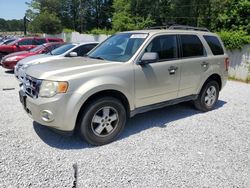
51	88
14	58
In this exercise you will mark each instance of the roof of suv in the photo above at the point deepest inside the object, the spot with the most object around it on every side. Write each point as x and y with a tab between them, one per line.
174	31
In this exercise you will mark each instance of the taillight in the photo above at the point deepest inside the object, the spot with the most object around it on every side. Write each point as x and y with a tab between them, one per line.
226	63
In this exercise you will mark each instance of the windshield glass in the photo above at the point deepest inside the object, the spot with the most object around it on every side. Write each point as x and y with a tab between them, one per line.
38	48
13	42
62	49
120	47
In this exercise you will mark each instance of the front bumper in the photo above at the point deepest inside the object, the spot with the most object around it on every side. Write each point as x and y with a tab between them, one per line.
62	117
19	73
9	64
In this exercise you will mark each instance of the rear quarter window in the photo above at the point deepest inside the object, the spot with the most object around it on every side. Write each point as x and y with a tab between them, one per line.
191	46
214	44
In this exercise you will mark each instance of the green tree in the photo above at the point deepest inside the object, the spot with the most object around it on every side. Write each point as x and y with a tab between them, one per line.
123	18
11	25
46	22
236	16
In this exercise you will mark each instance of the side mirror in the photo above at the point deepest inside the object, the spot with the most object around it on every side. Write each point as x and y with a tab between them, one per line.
44	51
17	45
72	54
149	57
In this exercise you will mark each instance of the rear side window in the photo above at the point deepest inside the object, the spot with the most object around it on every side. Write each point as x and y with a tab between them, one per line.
165	46
191	46
214	45
25	42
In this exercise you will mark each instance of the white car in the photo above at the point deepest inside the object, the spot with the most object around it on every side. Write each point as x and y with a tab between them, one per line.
64	51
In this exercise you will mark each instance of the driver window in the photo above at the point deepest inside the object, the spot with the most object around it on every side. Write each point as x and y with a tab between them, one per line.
165	46
25	42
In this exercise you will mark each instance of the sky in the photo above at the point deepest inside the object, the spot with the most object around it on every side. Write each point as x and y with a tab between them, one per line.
13	9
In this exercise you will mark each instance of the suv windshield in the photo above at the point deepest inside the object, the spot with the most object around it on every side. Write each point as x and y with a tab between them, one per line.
120	47
62	49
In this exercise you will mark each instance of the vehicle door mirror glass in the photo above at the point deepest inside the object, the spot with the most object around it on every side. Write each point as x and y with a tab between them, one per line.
72	54
44	51
149	57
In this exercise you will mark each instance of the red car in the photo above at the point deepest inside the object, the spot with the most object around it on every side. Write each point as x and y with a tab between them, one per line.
9	61
25	43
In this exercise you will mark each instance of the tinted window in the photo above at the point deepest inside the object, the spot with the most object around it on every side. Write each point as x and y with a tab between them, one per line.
214	45
25	42
165	46
84	49
39	41
191	46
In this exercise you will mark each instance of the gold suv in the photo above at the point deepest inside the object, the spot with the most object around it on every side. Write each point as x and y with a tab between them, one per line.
129	73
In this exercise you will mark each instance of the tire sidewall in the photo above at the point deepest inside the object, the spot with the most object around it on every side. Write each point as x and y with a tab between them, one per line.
85	126
203	94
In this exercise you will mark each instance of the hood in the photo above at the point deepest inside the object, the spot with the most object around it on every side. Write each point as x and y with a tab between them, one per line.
33	59
6	48
19	55
61	69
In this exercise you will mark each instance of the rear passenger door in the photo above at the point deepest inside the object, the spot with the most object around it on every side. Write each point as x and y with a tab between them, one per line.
158	82
194	63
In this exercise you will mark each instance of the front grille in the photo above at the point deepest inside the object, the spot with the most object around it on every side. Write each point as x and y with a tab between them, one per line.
31	86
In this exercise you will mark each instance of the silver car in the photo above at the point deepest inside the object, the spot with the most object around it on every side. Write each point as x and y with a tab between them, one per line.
64	51
129	73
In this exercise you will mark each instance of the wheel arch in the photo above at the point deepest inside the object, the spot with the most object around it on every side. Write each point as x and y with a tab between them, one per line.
215	77
104	93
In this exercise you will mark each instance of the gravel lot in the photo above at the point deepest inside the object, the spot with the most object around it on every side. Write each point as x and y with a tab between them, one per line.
173	147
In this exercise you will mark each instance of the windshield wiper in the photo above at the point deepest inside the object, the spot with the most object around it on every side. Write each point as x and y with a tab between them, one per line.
98	57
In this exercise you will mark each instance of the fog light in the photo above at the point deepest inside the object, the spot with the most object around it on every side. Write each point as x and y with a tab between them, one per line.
47	116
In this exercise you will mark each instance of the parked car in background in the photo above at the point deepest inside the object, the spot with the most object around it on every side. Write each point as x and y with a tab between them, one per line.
25	43
10	61
64	51
7	41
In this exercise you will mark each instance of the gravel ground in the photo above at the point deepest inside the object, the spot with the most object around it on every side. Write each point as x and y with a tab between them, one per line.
172	147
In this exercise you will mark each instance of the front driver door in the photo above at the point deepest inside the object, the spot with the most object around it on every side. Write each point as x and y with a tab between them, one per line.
159	81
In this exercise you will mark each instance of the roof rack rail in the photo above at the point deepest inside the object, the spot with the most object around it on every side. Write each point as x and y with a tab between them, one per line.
158	27
187	27
181	27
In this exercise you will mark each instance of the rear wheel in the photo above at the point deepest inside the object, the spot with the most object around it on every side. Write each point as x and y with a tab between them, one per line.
208	96
102	121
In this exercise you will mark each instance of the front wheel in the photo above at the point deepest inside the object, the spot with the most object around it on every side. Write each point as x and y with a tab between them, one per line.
102	121
208	96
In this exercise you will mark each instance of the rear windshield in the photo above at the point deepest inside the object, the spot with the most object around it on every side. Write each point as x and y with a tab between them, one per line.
214	45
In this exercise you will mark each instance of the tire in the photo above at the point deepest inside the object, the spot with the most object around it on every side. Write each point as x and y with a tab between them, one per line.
208	96
102	121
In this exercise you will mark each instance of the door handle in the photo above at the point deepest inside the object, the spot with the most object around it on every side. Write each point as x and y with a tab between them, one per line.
172	69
